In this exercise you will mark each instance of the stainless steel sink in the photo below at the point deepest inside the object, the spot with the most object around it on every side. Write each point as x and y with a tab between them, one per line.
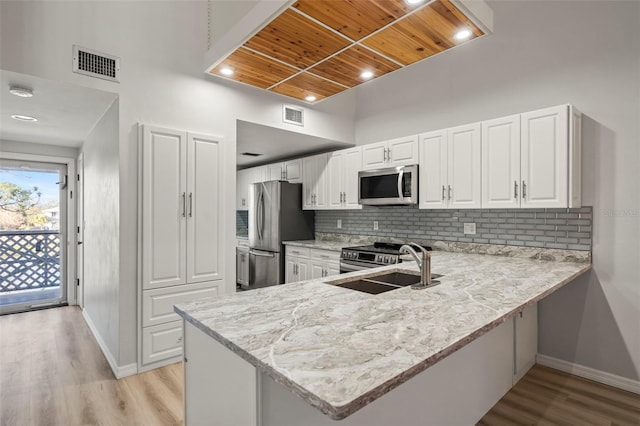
380	283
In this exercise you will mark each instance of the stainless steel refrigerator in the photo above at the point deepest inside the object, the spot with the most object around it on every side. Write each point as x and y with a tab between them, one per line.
275	215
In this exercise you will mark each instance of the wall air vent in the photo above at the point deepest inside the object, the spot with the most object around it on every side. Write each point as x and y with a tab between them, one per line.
251	154
95	64
293	115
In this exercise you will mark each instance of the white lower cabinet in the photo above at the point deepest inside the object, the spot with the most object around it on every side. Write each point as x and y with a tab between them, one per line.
162	342
525	335
157	305
303	264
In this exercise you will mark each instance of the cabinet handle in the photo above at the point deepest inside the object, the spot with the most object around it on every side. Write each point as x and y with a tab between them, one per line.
191	204
515	189
442	192
389	154
449	192
184	204
524	190
179	339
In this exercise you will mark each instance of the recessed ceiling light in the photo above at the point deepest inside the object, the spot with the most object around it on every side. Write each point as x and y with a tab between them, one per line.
23	118
463	34
366	74
414	1
310	98
226	71
23	92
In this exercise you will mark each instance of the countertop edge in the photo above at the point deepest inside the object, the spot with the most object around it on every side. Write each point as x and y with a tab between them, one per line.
341	412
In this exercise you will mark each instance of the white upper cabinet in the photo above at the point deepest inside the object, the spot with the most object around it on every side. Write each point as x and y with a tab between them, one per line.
501	162
464	174
342	179
391	153
545	162
289	170
164	192
432	172
449	171
293	171
314	185
204	215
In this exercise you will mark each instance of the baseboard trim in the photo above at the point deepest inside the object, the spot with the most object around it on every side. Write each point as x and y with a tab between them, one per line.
599	376
118	371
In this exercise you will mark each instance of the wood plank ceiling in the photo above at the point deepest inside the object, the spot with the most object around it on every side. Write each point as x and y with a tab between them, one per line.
317	48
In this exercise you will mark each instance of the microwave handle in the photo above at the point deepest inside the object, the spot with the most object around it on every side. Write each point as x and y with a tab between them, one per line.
400	181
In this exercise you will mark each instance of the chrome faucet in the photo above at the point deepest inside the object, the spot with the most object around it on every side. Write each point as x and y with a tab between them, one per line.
424	262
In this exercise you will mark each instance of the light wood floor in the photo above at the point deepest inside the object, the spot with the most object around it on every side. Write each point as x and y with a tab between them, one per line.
53	373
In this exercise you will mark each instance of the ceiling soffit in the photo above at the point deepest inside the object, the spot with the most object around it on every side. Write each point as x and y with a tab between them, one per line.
315	49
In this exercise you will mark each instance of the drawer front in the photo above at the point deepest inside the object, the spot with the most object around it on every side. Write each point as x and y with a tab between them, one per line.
157	305
297	251
161	342
325	255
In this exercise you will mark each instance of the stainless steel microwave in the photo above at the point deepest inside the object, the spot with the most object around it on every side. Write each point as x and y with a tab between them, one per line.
392	186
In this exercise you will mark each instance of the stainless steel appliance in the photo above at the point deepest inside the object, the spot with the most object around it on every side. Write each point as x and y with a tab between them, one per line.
275	215
392	186
365	257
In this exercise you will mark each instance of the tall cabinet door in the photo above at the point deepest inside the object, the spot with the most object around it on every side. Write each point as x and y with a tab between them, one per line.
432	173
204	212
321	181
164	192
309	177
464	163
501	162
335	178
545	137
353	164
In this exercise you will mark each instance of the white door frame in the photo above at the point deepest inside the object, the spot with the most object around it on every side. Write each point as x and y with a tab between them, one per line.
80	231
71	245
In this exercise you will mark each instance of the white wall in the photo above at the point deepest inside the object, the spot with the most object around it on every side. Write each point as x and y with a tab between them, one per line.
102	229
543	54
161	46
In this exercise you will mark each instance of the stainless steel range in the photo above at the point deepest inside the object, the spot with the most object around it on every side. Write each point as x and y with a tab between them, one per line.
365	257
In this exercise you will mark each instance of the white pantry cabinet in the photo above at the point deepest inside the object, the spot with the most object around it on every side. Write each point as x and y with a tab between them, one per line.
342	179
181	232
450	168
532	160
314	182
395	152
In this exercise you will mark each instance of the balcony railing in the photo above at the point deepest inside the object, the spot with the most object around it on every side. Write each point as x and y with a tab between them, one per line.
29	260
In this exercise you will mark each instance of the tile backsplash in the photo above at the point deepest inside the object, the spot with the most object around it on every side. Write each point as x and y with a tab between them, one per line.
547	228
242	223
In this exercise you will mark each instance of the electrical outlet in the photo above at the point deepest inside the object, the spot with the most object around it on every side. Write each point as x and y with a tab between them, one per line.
339	224
375	225
470	228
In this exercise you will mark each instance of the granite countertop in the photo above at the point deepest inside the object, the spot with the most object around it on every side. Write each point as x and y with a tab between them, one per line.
319	244
341	349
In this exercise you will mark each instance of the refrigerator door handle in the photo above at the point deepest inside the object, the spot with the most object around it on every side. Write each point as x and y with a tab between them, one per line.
261	204
261	253
258	215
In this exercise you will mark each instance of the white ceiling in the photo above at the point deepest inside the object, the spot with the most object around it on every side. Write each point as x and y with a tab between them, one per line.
277	144
66	113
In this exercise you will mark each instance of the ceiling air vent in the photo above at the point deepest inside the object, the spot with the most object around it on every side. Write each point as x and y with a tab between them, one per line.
95	64
293	115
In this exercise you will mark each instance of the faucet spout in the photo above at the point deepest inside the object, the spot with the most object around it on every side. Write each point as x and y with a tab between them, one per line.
424	263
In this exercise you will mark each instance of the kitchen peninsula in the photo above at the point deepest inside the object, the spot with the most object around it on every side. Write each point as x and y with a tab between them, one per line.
266	356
